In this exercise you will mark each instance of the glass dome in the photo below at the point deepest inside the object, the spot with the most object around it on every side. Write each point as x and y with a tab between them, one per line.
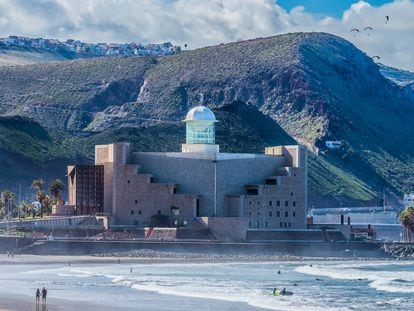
200	128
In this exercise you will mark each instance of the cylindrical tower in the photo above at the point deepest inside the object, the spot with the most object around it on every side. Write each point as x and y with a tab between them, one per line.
200	132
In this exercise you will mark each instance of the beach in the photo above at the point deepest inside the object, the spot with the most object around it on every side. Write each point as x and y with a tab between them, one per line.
101	283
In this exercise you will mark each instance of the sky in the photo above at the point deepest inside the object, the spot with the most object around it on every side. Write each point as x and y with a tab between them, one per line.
199	23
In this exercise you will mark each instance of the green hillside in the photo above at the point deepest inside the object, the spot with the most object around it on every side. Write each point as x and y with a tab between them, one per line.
301	87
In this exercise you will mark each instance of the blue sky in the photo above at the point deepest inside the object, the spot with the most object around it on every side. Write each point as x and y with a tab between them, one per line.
326	7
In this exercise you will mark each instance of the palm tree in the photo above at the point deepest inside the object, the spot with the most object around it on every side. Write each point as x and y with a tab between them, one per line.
26	208
7	201
38	184
407	220
41	197
56	188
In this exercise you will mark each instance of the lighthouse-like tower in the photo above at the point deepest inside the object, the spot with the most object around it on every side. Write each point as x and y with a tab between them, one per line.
200	131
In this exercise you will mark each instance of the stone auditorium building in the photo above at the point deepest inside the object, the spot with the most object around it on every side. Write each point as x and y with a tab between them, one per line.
228	192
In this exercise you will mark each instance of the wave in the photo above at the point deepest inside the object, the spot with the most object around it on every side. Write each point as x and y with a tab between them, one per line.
384	279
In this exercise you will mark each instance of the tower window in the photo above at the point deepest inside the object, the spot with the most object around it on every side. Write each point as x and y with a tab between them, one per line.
294	203
277	203
286	214
139	212
289	225
291	194
277	214
286	203
281	224
257	224
136	201
294	214
270	203
270	214
129	181
132	212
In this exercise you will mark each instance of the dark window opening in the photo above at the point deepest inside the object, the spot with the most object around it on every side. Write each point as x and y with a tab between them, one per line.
198	208
136	222
286	203
258	213
129	181
277	203
291	194
271	181
270	214
289	225
294	203
281	225
252	191
257	224
285	224
277	214
270	203
136	201
265	224
151	180
294	214
139	212
132	212
175	210
175	190
286	214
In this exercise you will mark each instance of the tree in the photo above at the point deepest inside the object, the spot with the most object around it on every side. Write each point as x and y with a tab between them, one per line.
41	197
56	188
37	184
26	208
8	203
159	220
407	220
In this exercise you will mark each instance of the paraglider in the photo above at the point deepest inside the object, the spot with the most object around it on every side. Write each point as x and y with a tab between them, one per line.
354	30
387	19
368	30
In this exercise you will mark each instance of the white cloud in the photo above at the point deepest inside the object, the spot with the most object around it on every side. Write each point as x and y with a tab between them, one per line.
199	23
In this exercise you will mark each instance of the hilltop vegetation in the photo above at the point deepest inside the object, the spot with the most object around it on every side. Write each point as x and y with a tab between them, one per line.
302	87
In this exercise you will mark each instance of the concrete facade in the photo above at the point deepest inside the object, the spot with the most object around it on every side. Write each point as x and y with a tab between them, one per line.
260	191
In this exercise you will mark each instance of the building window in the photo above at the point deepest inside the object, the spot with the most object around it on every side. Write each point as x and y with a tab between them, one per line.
175	210
250	224
289	225
277	203
139	212
277	214
136	201
136	222
258	213
129	181
252	191
294	203
286	214
151	180
286	203
257	224
270	214
175	190
250	202
294	214
270	203
265	224
285	224
281	224
258	202
250	213
132	212
291	194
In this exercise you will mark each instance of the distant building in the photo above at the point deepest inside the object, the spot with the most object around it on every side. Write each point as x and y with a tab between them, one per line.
333	144
229	191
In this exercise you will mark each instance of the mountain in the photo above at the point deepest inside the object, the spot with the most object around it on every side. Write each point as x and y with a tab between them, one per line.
303	87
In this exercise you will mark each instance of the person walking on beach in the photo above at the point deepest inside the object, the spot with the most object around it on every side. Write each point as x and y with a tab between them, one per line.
37	295
44	294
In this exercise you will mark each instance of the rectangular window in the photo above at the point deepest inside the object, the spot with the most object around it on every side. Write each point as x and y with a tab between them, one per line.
277	203
252	191
286	214
257	224
175	210
270	214
277	214
294	203
132	212
285	224
289	225
294	214
281	224
250	224
286	203
136	222
136	201
270	203
139	212
265	224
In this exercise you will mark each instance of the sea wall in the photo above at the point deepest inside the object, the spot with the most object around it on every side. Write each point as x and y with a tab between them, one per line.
306	249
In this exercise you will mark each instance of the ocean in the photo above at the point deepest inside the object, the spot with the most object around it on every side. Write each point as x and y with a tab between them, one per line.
316	285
